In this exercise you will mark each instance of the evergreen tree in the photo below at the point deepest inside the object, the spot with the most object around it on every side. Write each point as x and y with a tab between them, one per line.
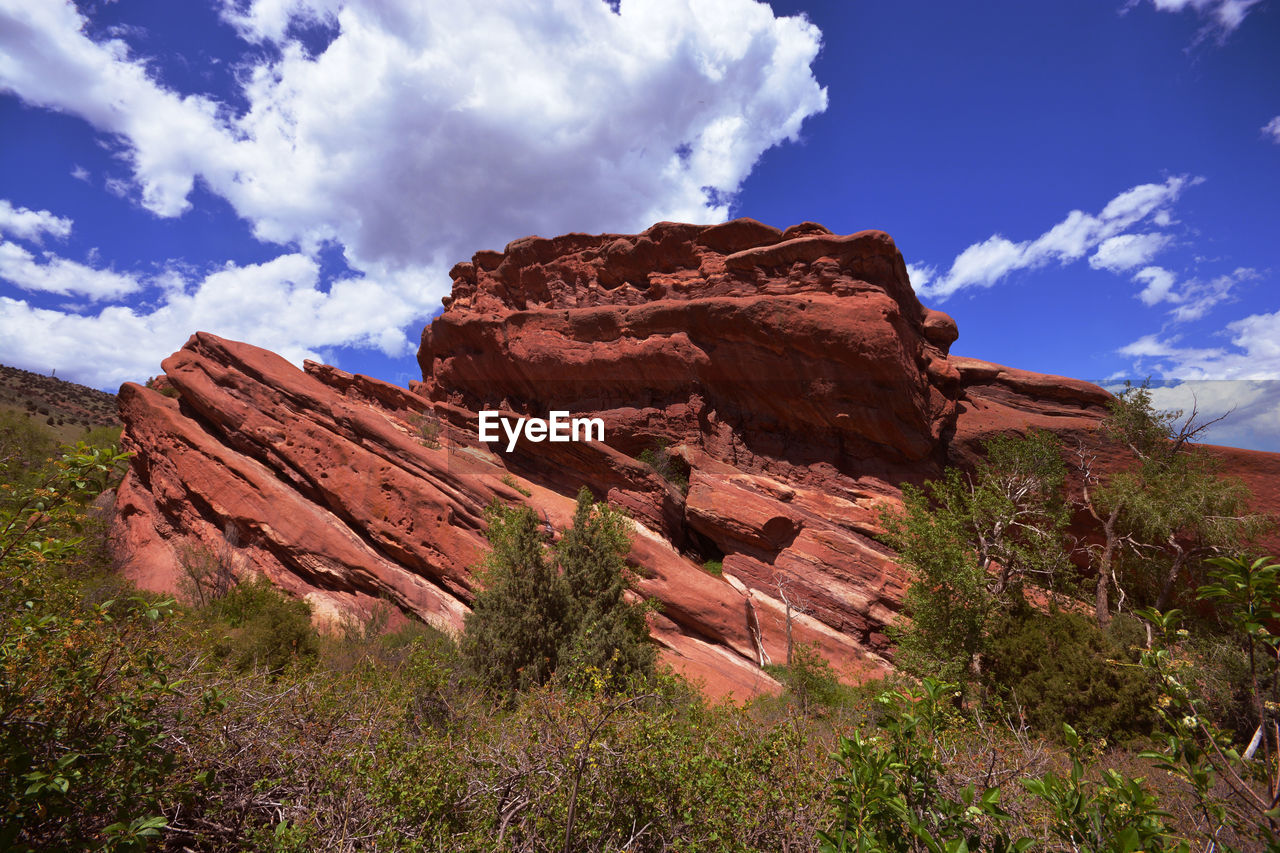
561	607
608	632
520	620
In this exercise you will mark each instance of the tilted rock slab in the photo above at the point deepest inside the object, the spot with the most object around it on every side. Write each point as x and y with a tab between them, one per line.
794	374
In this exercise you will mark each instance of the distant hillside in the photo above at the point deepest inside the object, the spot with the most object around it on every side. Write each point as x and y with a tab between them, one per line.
70	410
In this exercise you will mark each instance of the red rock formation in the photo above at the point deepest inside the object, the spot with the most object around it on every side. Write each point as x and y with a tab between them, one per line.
793	374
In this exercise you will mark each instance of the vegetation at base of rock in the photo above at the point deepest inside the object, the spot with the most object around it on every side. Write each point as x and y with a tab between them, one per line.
1057	666
122	728
809	680
974	543
544	608
996	595
667	464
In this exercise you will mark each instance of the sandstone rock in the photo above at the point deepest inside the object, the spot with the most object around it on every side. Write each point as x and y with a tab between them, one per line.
793	374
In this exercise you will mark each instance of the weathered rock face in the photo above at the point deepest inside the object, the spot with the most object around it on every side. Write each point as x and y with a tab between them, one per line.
794	374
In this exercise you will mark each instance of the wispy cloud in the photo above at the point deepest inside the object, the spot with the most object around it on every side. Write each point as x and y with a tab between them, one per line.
1222	16
1192	298
1105	234
1254	353
1272	129
53	274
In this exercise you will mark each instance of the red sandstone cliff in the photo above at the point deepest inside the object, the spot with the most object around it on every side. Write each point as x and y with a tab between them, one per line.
795	374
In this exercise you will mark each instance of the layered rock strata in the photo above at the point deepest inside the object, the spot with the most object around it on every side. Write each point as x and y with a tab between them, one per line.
792	379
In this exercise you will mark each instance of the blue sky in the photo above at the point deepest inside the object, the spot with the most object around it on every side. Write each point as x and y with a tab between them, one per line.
1090	188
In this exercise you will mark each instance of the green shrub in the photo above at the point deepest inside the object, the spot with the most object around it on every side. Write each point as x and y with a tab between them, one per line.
519	621
510	482
270	630
1057	668
809	679
667	464
84	762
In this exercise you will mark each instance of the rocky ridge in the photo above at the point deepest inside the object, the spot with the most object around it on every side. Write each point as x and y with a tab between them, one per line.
793	375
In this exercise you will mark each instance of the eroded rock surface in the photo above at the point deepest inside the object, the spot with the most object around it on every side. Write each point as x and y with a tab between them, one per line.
791	378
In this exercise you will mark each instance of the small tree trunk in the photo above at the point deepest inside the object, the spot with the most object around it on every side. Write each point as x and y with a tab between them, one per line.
1171	580
790	643
1103	605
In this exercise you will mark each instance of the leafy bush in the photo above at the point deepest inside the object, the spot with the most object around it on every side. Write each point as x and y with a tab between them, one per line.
269	630
83	763
972	544
809	679
1057	668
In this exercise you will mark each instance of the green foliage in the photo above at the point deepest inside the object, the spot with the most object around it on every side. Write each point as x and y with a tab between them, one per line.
82	752
1234	786
608	634
714	567
82	757
510	482
269	630
890	794
809	679
972	543
1168	511
543	608
1116	814
1057	667
893	792
520	620
668	464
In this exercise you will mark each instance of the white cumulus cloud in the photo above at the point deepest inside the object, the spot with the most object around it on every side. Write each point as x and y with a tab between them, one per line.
59	275
33	225
1272	129
279	304
1126	251
427	129
1159	285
